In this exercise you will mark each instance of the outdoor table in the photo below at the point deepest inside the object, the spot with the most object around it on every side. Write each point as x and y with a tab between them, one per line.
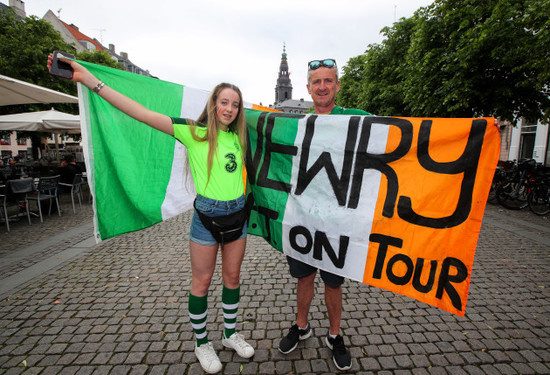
20	186
16	191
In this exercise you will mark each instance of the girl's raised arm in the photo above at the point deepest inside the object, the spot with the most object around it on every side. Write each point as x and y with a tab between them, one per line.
130	107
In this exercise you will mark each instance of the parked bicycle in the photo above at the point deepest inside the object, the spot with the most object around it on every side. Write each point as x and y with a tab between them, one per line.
512	193
503	169
538	198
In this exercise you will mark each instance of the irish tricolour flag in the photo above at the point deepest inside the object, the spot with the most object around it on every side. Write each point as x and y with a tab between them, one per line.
138	175
395	203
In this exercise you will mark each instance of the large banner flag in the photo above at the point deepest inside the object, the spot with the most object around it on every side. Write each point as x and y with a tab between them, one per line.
392	202
396	203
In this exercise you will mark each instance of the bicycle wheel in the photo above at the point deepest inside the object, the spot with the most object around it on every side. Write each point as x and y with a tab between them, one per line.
492	198
510	196
497	180
539	200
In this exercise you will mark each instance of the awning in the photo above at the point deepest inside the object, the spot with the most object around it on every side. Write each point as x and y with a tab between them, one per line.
45	121
13	91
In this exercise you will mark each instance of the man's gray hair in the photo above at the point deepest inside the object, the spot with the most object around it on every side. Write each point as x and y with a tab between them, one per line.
335	68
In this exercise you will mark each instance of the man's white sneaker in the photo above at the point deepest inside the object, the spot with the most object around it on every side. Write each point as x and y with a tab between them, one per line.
237	343
208	358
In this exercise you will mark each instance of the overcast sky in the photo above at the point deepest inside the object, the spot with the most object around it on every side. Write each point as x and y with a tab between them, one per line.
200	43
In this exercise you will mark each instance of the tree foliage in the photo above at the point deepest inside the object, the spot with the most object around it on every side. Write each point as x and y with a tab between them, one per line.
24	48
100	58
458	58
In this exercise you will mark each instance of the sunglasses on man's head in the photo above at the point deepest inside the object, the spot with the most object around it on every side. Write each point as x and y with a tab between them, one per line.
316	64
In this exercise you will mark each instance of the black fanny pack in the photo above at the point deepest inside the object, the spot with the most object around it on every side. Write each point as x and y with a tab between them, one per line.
227	228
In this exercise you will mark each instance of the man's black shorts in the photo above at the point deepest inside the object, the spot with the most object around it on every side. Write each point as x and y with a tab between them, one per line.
300	269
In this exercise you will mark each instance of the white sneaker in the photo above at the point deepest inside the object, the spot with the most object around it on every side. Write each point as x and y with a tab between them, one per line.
208	358
237	343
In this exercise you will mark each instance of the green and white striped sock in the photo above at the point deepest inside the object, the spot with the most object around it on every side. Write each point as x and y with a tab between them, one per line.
198	312
230	304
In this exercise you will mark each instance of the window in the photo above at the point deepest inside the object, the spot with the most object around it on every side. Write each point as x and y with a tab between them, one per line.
88	45
527	146
529	129
6	140
6	156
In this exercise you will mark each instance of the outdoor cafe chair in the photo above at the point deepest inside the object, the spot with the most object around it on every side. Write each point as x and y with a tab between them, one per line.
76	189
46	190
4	211
14	193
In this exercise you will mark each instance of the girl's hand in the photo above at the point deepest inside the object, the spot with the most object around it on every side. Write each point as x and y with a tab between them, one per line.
80	73
130	107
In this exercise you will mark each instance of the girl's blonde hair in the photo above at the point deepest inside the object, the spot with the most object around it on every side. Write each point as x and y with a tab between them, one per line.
209	118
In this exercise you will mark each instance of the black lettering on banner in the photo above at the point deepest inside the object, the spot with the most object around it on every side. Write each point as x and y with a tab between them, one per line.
300	231
322	242
418	270
365	160
340	184
253	163
399	280
318	242
268	215
445	282
466	164
270	148
384	242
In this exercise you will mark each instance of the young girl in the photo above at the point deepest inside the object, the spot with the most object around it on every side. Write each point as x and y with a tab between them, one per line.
216	154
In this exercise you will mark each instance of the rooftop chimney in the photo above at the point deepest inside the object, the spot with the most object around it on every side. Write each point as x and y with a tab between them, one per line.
18	7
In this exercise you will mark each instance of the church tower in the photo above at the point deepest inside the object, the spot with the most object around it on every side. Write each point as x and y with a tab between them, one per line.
283	89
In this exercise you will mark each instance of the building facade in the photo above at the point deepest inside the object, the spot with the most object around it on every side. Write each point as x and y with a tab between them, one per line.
12	148
72	35
527	140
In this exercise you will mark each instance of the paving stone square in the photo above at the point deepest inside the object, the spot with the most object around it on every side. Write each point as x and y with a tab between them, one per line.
69	306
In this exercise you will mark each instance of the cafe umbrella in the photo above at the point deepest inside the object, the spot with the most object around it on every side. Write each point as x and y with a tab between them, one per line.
42	121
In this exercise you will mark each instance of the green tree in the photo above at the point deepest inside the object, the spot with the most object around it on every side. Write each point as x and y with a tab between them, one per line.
374	81
24	48
462	58
100	58
351	83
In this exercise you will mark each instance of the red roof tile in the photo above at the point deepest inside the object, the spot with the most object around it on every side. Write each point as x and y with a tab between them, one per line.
79	36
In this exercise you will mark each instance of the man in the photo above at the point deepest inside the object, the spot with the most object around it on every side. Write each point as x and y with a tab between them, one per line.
67	171
323	84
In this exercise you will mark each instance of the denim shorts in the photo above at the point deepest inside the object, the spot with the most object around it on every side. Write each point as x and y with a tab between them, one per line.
299	269
212	207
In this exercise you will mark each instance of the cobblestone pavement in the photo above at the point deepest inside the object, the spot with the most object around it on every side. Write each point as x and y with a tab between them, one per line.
21	234
56	234
121	307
